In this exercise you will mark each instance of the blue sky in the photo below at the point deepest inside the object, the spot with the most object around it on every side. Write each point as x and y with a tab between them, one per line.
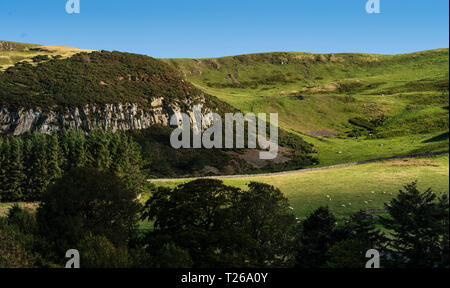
211	28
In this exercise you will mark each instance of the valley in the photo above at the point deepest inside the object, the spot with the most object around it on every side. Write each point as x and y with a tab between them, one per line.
349	107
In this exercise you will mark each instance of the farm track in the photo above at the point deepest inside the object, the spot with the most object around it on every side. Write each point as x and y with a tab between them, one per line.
304	170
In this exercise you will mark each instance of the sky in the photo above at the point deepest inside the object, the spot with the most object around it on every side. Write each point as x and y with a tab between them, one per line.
213	28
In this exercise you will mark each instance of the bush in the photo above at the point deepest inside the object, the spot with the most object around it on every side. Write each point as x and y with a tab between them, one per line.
15	247
348	254
99	252
23	219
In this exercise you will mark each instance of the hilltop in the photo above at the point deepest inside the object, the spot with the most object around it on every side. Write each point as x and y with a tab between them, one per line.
98	77
13	52
317	94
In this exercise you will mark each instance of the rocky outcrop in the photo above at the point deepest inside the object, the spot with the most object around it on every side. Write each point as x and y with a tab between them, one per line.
111	117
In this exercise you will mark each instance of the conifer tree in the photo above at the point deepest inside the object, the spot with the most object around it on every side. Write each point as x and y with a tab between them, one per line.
36	167
4	150
15	172
417	221
54	155
98	147
80	154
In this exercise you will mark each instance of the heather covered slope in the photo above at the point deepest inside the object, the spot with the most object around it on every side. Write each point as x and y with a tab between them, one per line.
94	78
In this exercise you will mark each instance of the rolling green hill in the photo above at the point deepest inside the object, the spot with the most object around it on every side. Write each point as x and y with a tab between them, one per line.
351	106
316	93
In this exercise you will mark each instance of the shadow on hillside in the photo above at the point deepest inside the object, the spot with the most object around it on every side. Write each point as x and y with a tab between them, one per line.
443	136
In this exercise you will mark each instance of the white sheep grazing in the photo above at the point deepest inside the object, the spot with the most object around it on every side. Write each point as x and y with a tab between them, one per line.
366	202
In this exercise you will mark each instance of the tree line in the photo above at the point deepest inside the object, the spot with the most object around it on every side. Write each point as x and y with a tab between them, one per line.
29	164
207	224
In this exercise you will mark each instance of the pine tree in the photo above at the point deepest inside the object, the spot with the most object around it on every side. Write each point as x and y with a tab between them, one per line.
131	164
417	221
4	150
80	155
98	147
315	238
54	159
64	140
15	172
35	166
362	227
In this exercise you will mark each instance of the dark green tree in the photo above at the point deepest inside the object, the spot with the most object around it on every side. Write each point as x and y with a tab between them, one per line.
197	216
362	227
98	147
15	172
83	201
419	224
223	226
315	238
97	251
349	253
54	159
4	151
264	213
36	156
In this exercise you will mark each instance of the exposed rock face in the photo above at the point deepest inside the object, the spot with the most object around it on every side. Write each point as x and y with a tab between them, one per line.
111	117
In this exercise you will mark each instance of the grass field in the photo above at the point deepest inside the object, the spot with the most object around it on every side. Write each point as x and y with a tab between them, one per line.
376	183
334	150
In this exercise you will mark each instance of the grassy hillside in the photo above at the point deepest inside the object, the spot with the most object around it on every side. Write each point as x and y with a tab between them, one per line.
366	186
351	106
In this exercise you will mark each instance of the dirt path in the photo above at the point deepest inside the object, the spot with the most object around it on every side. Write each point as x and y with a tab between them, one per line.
303	170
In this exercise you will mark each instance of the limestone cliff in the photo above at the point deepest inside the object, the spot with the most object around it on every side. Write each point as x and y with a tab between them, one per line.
111	117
